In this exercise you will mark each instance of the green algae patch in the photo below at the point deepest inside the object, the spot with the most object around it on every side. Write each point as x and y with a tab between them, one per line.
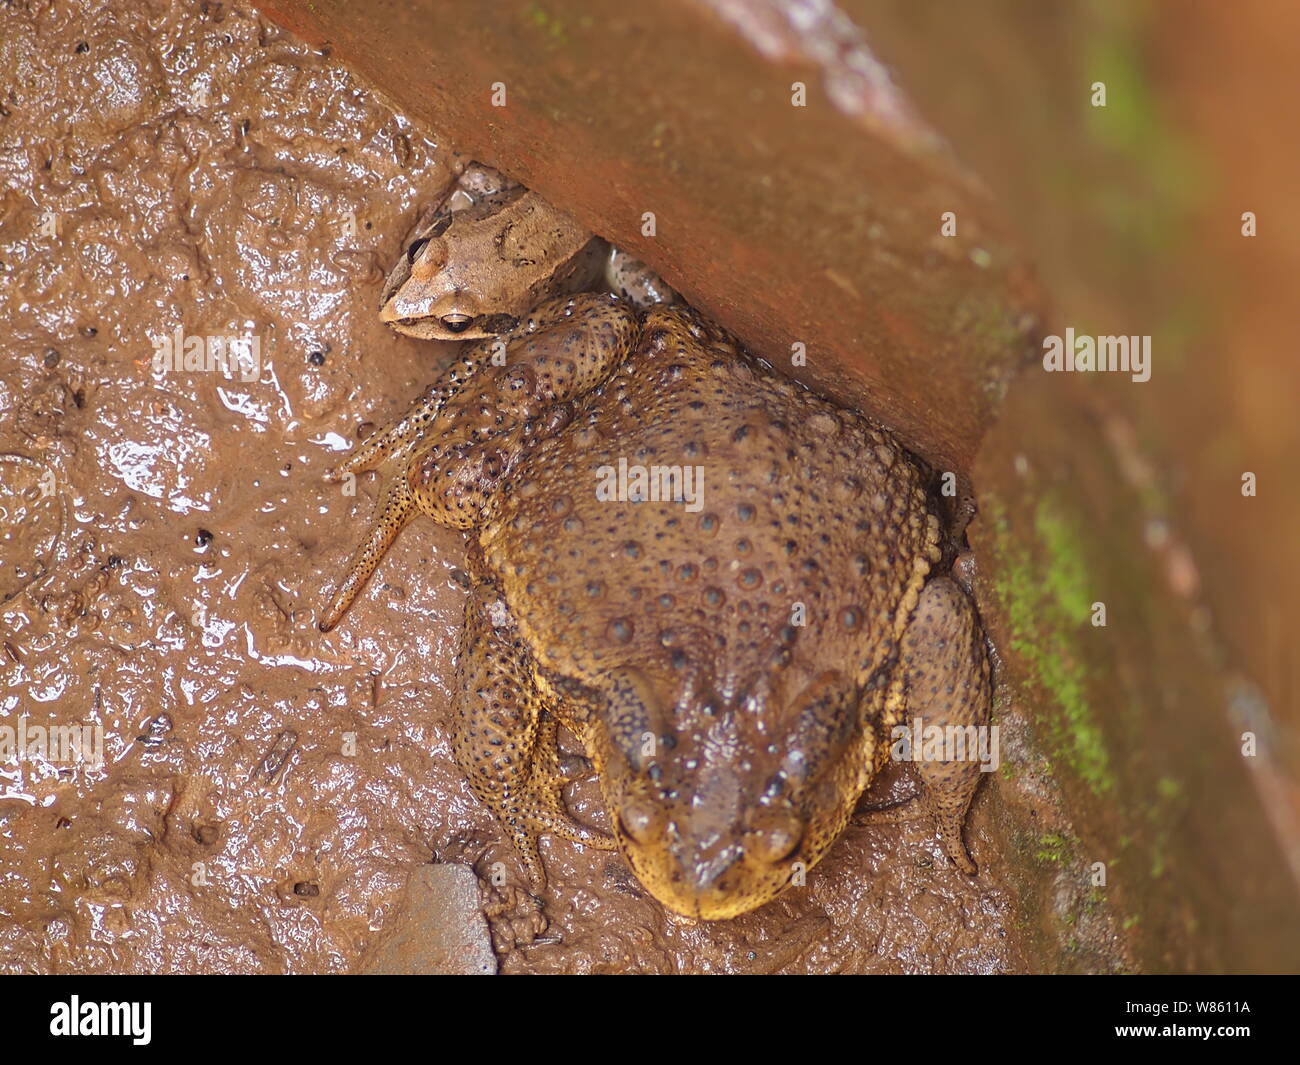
1055	848
1047	604
546	22
1160	177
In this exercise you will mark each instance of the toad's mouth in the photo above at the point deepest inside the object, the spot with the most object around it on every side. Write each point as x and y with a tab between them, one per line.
737	891
714	882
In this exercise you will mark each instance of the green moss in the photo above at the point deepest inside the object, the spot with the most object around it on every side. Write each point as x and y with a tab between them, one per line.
1067	576
1047	606
1161	814
1158	177
1130	123
1169	788
987	320
547	23
1055	848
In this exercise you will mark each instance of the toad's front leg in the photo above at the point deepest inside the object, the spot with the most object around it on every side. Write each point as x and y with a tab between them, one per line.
445	455
504	739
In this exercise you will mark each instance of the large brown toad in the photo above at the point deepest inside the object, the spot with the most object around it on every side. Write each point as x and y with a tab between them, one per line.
720	582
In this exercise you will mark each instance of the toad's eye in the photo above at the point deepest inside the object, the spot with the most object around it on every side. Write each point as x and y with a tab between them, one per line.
456	323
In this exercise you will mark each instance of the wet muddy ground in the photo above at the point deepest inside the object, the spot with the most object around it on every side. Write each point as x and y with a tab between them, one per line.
167	536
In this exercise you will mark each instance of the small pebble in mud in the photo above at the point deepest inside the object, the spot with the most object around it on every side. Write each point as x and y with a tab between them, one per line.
202	538
316	358
205	834
305	889
51	359
82	48
439	927
365	429
89	331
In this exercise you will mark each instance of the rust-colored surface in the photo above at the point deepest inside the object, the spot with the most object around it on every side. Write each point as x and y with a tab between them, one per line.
816	225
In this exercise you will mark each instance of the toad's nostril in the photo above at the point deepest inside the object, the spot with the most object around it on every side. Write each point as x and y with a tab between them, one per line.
774	833
456	323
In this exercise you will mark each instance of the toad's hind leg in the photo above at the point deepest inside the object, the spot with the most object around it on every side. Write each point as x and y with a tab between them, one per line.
396	506
390	450
504	739
944	682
